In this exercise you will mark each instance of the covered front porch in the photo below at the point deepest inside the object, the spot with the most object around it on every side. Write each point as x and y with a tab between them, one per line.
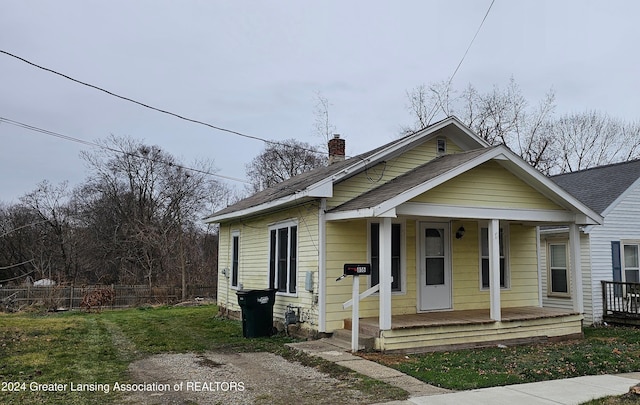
447	330
469	267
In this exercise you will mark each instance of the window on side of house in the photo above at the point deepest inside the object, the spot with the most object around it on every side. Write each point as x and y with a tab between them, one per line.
235	258
484	258
558	269
283	257
631	264
396	255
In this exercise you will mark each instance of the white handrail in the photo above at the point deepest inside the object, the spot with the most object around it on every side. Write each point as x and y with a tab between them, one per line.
362	296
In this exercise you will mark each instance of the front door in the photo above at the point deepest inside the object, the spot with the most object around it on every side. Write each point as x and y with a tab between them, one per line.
435	267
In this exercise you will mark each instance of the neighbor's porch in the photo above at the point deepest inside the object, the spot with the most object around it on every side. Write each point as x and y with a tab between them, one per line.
437	331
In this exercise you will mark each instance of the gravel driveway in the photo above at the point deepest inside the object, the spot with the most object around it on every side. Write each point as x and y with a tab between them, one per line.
242	378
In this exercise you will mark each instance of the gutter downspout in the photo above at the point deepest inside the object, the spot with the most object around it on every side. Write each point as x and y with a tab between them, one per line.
322	266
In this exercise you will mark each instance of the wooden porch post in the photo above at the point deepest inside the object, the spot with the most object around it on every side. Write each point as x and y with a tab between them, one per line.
494	268
576	268
385	274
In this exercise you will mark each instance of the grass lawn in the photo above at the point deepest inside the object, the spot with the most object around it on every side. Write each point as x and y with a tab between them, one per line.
606	350
82	348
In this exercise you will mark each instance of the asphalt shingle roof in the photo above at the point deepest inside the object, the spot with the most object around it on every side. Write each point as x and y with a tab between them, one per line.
409	180
599	187
296	183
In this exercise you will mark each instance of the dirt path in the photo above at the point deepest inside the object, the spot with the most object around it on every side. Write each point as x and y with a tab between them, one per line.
242	378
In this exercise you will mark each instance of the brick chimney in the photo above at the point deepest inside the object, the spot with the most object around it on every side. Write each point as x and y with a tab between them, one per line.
336	149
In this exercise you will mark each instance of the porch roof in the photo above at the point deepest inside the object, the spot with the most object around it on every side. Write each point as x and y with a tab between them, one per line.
384	200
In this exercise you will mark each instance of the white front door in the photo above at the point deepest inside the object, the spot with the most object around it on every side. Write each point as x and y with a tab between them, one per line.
434	267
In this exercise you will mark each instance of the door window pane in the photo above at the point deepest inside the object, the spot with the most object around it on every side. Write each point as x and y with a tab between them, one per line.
434	242
435	271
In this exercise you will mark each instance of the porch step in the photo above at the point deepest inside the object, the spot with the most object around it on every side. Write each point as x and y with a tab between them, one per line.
366	329
342	338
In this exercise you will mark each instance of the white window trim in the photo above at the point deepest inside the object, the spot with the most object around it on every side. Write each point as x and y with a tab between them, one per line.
623	265
279	225
234	233
403	254
507	265
550	292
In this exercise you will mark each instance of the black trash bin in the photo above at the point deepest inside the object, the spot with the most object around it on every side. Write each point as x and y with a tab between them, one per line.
257	312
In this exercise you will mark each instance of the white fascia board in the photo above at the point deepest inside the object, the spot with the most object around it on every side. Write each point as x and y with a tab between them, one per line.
352	214
321	189
506	214
258	208
361	213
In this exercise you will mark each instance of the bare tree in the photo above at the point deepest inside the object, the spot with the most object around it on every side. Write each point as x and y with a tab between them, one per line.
280	161
501	115
323	128
591	139
54	252
139	204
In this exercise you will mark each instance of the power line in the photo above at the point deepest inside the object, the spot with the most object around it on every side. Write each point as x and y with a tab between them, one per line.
195	121
93	144
463	57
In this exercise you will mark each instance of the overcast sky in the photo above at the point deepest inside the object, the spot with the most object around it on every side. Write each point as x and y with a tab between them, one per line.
256	66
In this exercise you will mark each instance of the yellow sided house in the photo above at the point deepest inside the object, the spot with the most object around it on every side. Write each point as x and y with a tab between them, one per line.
449	225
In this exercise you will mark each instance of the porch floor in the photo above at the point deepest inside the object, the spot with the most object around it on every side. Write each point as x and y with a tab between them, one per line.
466	317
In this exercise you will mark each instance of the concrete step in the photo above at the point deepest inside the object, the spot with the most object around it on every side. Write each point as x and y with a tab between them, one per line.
342	338
365	329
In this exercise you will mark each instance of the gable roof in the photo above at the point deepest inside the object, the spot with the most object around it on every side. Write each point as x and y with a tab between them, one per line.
409	180
319	182
600	188
383	200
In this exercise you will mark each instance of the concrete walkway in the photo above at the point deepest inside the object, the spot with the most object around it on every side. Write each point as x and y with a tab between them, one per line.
568	391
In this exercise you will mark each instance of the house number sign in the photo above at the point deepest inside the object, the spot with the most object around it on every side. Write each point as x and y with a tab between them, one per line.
362	269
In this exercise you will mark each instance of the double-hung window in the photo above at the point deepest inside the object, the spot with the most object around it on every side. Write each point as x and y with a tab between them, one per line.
283	254
631	263
558	269
484	259
235	258
396	255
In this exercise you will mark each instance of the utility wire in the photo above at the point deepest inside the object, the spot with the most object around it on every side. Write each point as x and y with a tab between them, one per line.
93	144
16	265
150	106
433	112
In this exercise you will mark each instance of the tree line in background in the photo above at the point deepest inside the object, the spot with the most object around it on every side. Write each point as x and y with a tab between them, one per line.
551	144
136	219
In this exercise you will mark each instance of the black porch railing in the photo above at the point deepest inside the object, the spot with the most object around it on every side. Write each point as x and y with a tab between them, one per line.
621	301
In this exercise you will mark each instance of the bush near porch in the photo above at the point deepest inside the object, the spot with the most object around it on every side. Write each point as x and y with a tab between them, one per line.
604	350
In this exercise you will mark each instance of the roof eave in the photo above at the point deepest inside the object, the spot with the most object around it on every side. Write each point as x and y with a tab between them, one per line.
318	192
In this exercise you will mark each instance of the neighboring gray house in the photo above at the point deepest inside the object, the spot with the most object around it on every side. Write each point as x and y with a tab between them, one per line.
610	251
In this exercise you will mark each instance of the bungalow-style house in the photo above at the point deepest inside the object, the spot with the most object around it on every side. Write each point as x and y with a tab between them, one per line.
448	223
609	251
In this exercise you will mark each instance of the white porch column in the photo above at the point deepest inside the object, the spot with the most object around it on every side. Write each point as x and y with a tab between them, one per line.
494	268
576	268
385	274
322	266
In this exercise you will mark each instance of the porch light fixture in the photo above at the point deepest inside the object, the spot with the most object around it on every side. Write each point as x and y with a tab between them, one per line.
460	232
